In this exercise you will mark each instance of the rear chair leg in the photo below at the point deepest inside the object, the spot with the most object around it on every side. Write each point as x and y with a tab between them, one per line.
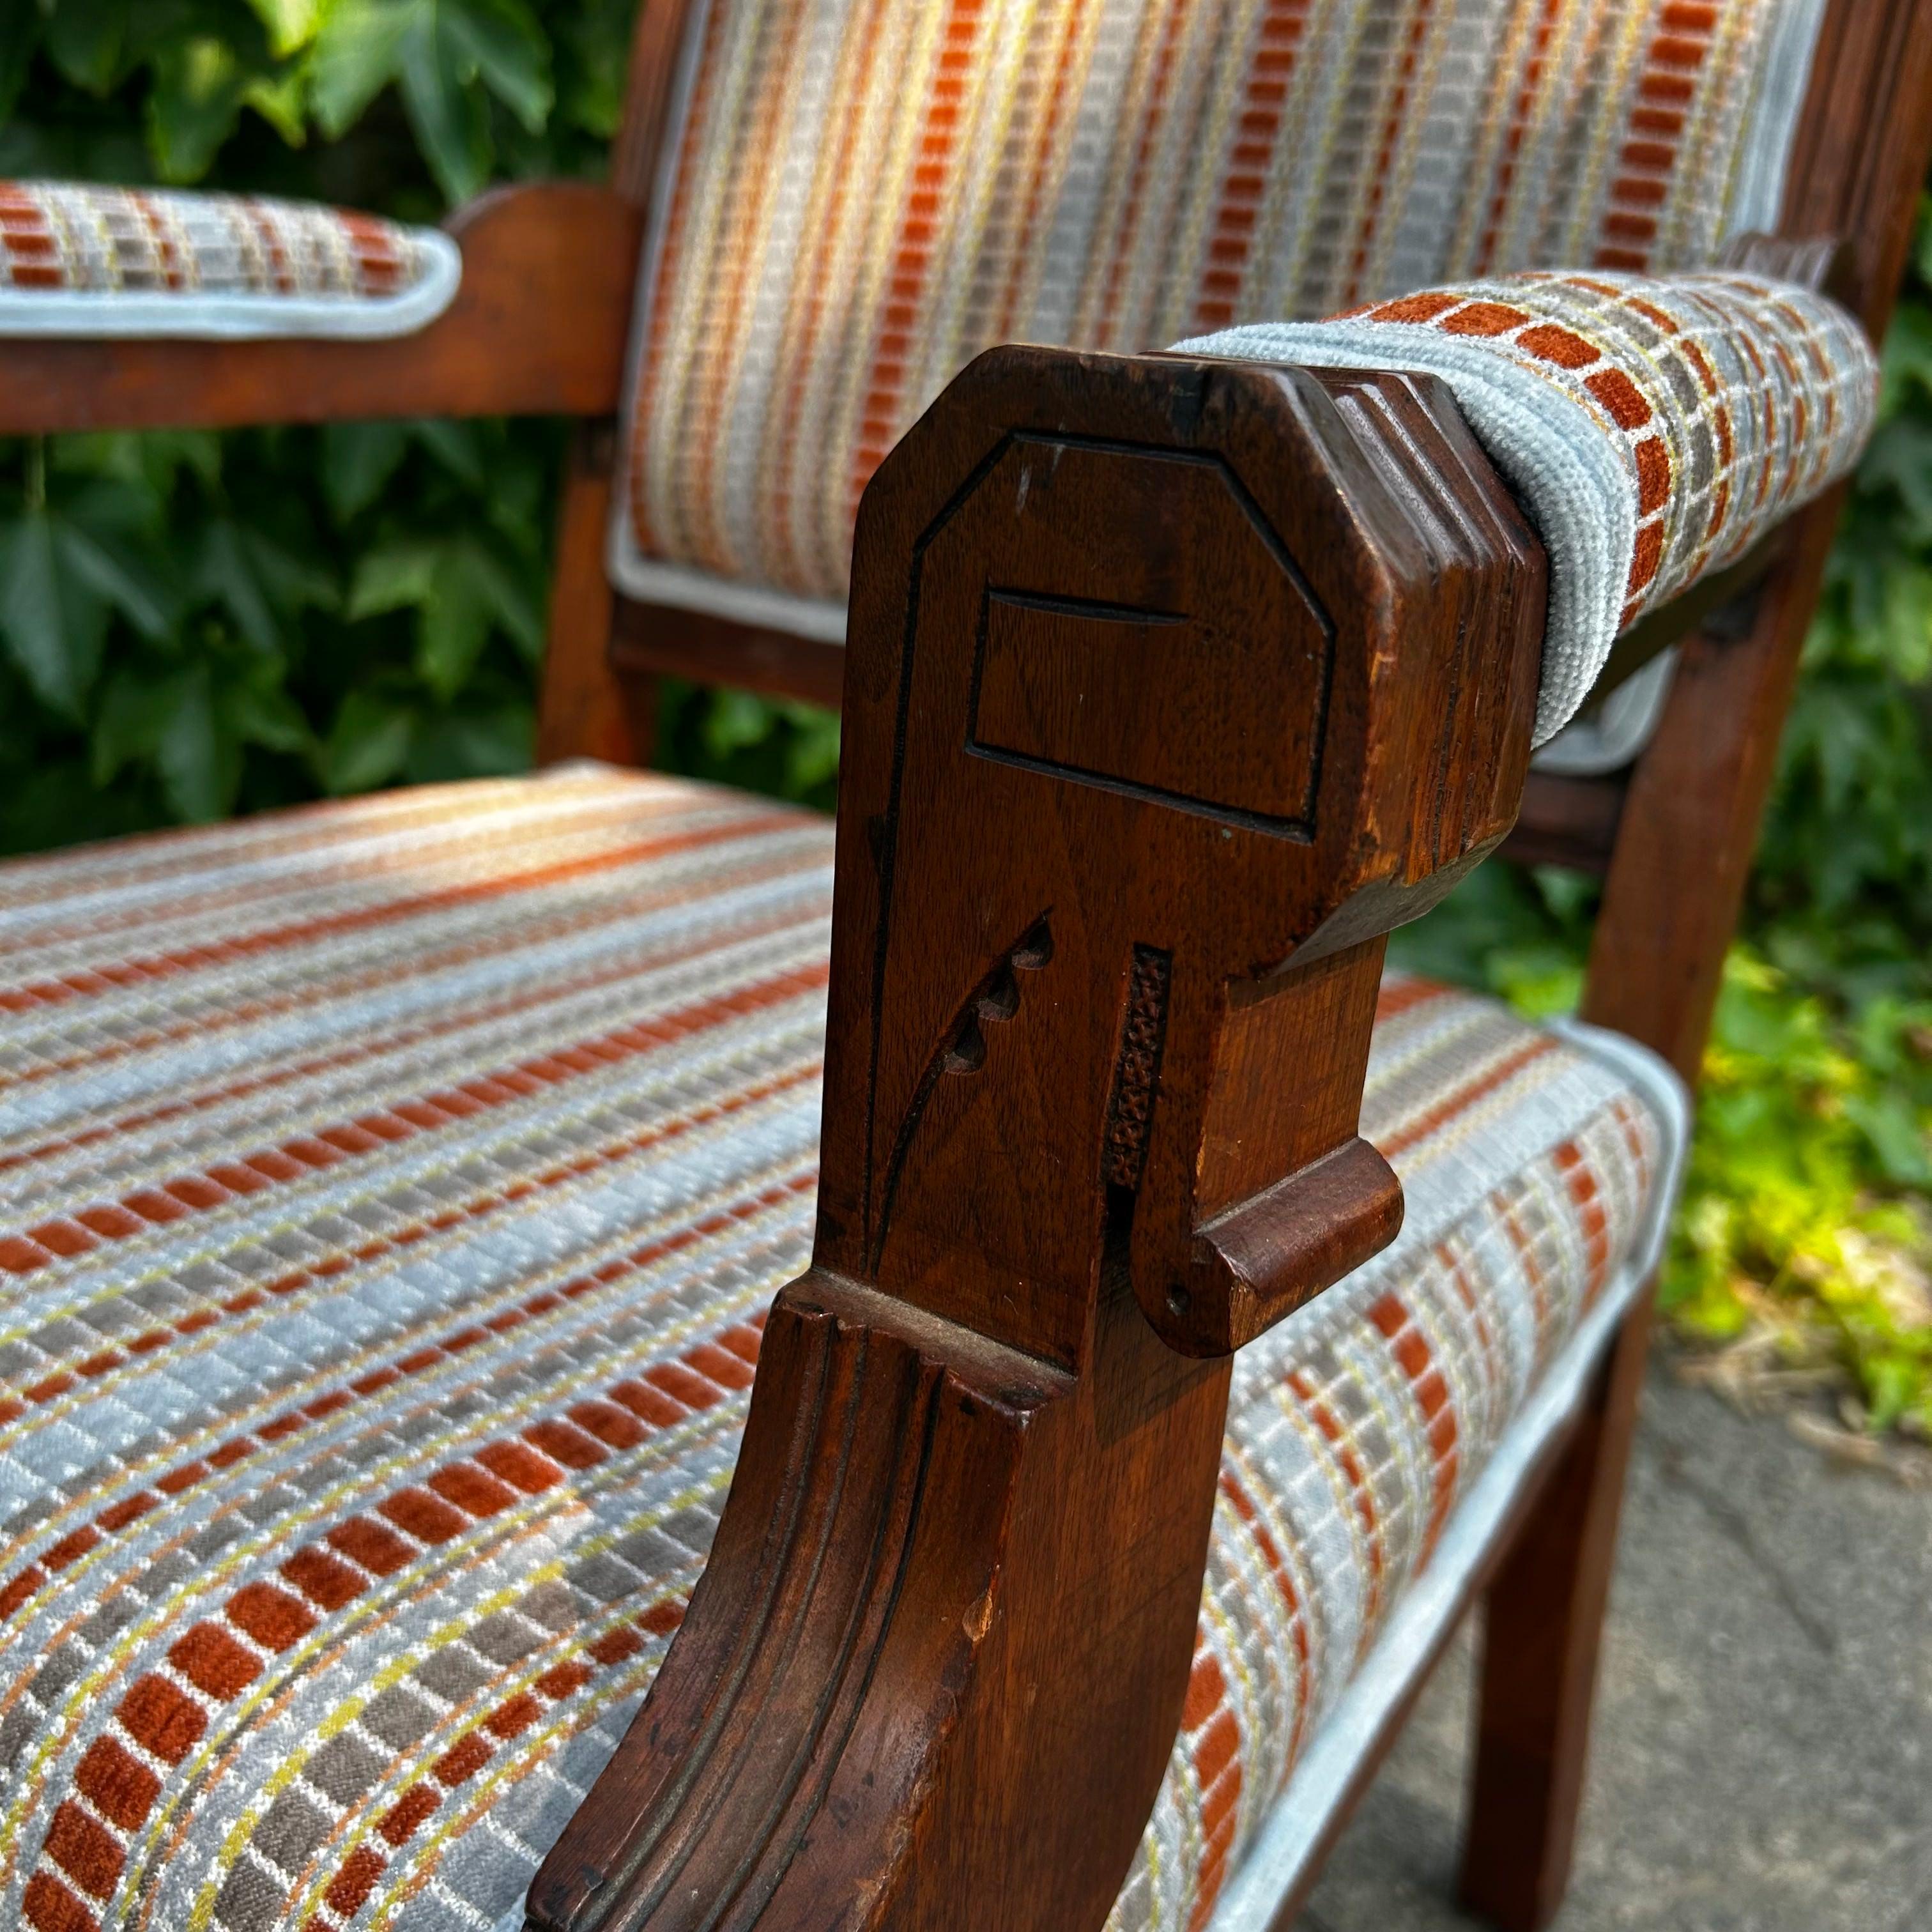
1542	1618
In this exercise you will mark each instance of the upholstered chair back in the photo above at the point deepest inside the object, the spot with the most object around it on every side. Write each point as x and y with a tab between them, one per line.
858	196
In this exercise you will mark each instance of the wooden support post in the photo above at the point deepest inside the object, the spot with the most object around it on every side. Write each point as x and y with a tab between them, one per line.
588	710
1543	1624
1676	880
1675	884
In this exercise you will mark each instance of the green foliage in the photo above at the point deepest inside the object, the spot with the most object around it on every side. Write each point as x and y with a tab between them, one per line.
484	87
454	61
192	625
1805	1207
1844	882
789	750
1810	1203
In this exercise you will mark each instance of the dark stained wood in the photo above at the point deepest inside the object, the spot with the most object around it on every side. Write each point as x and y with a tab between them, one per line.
1858	161
1675	884
592	707
1103	982
638	156
1690	817
586	710
653	641
1542	1627
649	641
1567	820
537	329
1099	1009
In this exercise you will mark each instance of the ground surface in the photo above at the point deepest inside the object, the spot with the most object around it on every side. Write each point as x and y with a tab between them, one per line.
1762	1753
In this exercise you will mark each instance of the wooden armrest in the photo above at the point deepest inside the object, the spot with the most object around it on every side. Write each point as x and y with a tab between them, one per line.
1171	686
537	329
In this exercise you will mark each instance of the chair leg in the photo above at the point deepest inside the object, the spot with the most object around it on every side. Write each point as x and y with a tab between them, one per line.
1543	1618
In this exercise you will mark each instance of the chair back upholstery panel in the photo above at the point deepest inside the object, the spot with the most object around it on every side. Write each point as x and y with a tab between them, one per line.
857	196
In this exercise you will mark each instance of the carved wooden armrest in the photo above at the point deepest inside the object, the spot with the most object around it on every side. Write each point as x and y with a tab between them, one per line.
1172	686
537	327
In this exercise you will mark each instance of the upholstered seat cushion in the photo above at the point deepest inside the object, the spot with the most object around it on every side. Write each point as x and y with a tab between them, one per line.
390	1193
79	259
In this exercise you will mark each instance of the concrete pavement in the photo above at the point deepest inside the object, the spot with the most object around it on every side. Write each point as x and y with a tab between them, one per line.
1762	1748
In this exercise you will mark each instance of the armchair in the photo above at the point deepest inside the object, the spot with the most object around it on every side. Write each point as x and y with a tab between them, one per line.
393	1194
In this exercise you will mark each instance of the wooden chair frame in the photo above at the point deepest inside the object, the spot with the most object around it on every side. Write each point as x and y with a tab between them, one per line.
1095	1067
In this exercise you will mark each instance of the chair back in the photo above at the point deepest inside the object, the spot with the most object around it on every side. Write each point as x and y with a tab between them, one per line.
854	197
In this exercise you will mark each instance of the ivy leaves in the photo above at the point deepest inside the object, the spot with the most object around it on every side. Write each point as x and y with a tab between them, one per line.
458	584
461	66
190	624
450	591
205	61
459	593
65	568
449	58
1810	1142
218	622
782	748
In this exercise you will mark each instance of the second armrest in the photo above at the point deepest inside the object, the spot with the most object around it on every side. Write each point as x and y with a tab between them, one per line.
537	327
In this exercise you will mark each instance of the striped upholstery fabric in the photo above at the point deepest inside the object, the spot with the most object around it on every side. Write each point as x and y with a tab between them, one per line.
1356	1426
390	1193
860	197
78	259
1691	414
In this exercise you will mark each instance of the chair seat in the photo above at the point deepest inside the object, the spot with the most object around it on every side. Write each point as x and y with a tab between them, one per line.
390	1194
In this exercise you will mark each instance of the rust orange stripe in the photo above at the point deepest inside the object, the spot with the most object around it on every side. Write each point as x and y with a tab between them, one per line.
105	977
31	1249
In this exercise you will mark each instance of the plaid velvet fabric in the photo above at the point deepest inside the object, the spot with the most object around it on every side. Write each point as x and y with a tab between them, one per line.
83	260
859	198
1653	428
390	1194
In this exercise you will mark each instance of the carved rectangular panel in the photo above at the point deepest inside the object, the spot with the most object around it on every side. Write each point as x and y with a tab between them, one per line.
1212	702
